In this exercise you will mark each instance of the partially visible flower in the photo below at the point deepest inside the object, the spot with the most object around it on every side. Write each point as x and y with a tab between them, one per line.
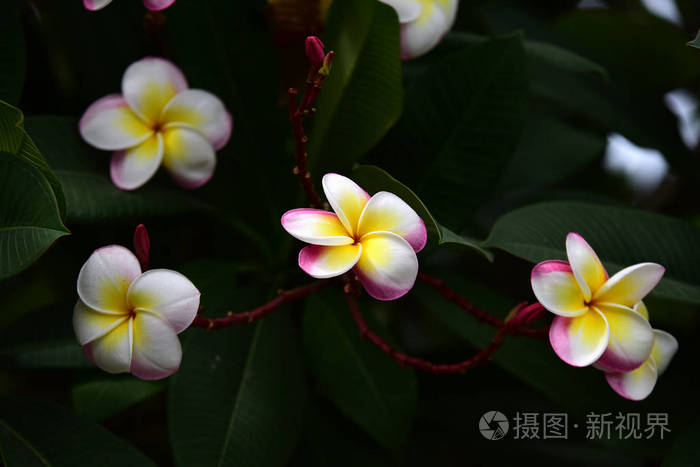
153	5
377	237
127	321
638	384
595	319
155	120
423	23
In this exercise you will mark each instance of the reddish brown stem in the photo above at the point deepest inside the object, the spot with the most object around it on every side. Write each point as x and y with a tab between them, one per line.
418	363
478	314
248	317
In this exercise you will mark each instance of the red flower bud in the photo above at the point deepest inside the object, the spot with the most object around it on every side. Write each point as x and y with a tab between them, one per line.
142	245
314	51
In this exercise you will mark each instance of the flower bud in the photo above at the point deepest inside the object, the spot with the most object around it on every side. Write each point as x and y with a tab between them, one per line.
314	51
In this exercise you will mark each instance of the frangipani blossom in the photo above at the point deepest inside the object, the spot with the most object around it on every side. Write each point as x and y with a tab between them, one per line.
423	23
595	319
155	120
638	384
377	237
153	5
128	321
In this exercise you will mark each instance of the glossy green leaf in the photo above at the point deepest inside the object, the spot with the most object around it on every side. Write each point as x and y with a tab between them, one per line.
621	237
29	215
237	398
462	123
37	433
362	97
12	53
99	399
362	382
374	179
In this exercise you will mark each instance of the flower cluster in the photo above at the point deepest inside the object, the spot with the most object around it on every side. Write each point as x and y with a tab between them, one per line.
153	5
601	320
155	120
423	23
128	321
377	237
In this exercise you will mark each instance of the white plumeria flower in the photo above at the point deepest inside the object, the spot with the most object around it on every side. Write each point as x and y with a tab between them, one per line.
595	319
423	23
153	5
127	321
155	120
378	237
638	384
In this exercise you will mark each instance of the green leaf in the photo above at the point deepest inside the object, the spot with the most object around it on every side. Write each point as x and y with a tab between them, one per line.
362	96
49	346
14	139
550	151
367	386
695	42
621	237
29	216
99	399
238	395
684	451
374	179
462	123
12	53
38	433
90	195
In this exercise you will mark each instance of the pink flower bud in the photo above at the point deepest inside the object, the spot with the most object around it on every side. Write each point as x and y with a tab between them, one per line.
314	51
142	245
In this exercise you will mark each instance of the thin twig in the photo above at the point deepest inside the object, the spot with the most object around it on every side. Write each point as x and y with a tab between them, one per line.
287	296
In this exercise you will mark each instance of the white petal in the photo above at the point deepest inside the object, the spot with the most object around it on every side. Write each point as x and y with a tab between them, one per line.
665	347
346	198
631	339
580	340
425	32
556	288
157	5
407	10
201	111
133	167
149	84
388	213
323	262
388	265
110	124
634	385
188	156
105	278
315	226
630	285
112	352
94	5
157	352
89	324
168	294
587	268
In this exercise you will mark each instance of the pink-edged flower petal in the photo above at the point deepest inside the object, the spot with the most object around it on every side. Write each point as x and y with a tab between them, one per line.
587	268
135	166
94	5
188	156
387	212
157	5
157	352
149	84
112	352
630	285
580	340
388	265
407	10
168	294
425	32
665	347
346	198
316	227
631	339
89	324
449	8
105	278
110	124
323	262
637	384
555	287
201	111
